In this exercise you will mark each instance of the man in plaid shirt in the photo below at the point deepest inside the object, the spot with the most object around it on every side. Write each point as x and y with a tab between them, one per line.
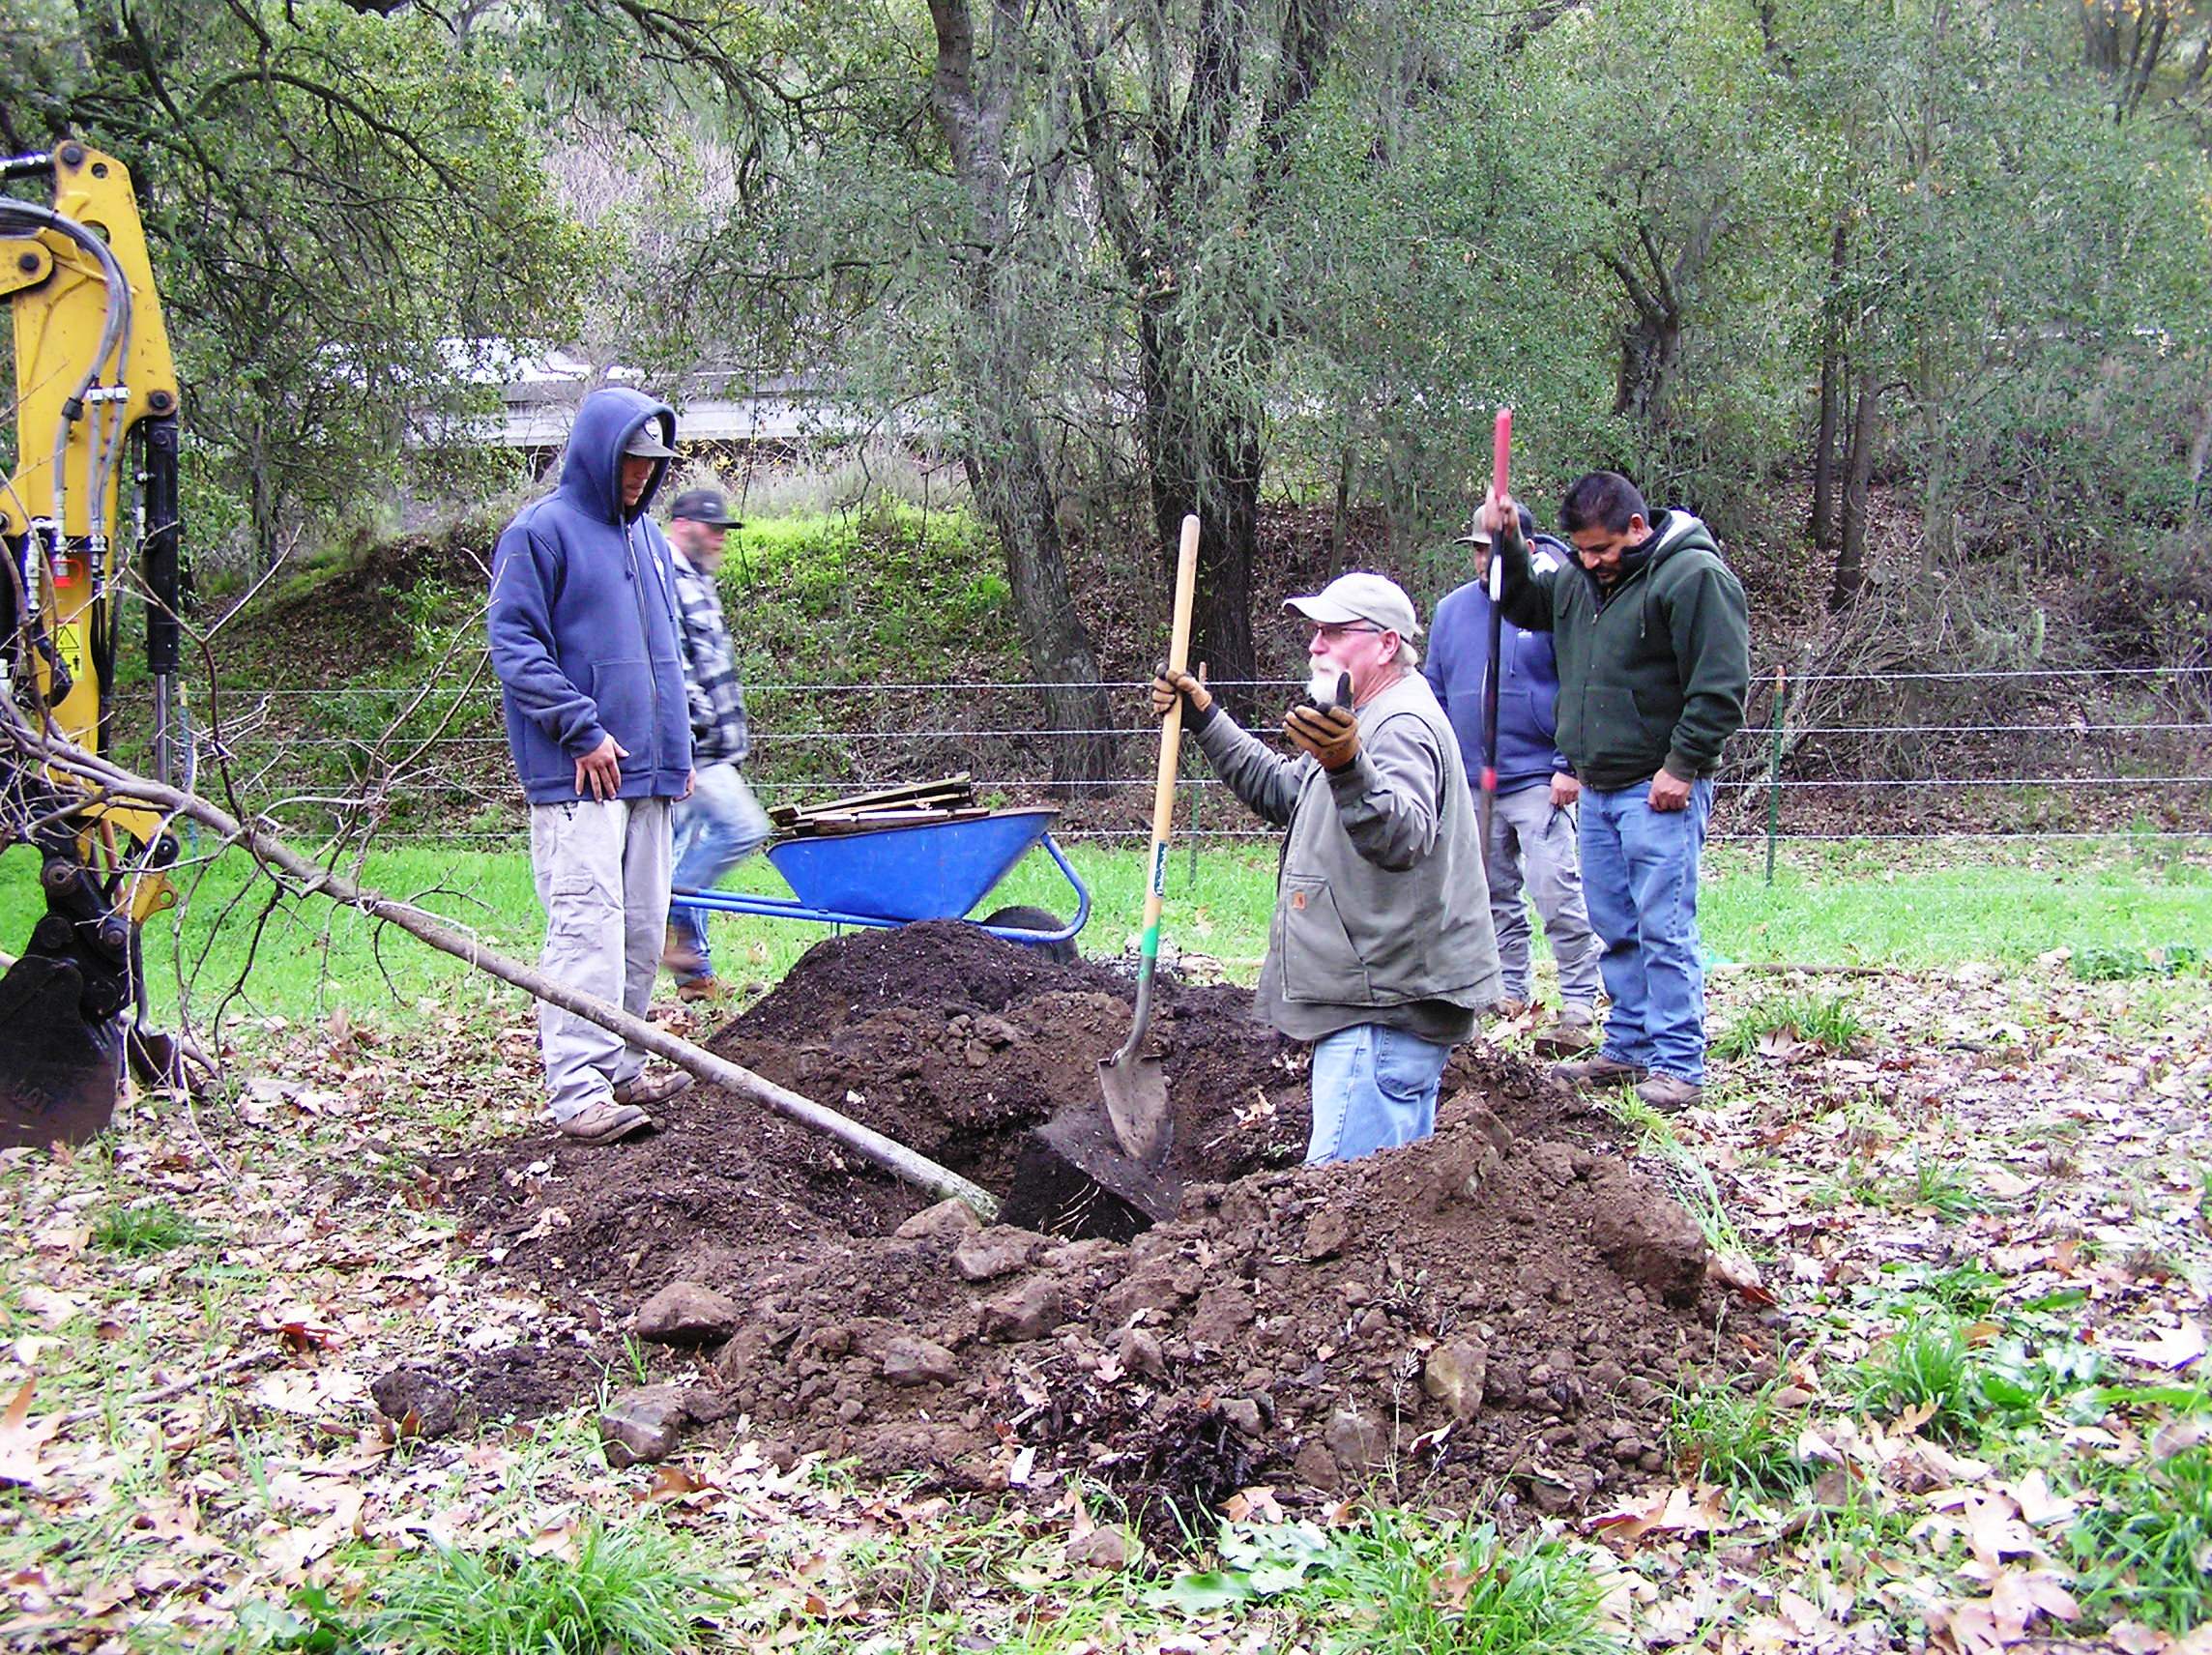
722	823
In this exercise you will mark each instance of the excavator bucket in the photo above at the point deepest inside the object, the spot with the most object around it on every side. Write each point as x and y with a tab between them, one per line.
58	1072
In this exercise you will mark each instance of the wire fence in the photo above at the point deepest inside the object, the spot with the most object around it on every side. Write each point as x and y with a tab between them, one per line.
2061	753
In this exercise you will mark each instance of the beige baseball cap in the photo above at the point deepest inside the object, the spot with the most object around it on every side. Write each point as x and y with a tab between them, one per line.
1374	598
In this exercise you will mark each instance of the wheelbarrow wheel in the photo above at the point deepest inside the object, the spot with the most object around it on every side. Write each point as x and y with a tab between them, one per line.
1063	952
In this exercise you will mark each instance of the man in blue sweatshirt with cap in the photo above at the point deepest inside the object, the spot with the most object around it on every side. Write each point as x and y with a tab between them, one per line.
1530	855
584	638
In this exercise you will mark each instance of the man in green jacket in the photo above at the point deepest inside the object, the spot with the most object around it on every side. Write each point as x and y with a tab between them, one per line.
1380	950
1653	651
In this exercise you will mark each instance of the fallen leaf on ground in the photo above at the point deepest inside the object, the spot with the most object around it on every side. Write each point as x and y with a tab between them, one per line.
2174	1347
20	1442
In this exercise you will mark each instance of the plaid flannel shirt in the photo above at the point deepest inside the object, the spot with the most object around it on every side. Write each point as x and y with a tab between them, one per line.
709	671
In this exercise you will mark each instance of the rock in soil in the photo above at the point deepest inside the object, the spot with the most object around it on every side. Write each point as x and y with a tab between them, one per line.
1513	1278
1028	1312
909	1361
642	1427
686	1313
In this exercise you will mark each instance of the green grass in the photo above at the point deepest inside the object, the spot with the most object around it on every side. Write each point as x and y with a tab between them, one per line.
1737	1439
313	960
1928	1363
1688	1181
1944	1187
1852	905
142	1231
1828	1021
1408	1585
630	1590
2142	1548
1403	1582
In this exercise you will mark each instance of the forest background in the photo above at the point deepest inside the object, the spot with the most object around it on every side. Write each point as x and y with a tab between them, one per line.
1933	267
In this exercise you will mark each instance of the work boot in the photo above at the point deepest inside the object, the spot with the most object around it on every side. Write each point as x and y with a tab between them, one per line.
709	990
1598	1072
1573	1030
678	957
644	1089
1670	1094
597	1123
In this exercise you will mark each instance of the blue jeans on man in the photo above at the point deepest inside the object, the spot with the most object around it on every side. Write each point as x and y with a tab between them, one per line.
1639	874
1374	1087
714	830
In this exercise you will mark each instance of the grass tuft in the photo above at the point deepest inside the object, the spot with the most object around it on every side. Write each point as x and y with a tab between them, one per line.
1686	1177
1930	1364
2142	1551
630	1591
1410	1586
1828	1021
1737	1439
141	1231
1405	1582
1945	1188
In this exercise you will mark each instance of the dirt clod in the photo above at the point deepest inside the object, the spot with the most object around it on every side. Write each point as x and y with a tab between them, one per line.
686	1313
421	1403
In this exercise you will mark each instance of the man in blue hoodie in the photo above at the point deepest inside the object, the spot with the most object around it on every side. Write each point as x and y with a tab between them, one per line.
584	638
1531	845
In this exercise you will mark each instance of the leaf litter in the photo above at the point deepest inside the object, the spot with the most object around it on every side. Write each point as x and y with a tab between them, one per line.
188	1435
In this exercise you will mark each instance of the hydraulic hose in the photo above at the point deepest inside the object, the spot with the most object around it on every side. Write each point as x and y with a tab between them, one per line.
20	216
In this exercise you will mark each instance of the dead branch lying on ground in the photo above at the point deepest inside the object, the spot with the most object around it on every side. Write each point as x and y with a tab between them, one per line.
301	876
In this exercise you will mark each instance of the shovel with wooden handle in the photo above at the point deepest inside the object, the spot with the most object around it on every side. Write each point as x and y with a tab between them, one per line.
1135	1086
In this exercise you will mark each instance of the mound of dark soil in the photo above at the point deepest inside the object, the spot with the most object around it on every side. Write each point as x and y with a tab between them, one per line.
1506	1303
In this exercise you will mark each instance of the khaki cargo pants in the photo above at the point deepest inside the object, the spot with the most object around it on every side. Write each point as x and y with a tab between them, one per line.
602	867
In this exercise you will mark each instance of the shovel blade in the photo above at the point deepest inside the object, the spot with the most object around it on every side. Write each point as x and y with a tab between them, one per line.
1136	1093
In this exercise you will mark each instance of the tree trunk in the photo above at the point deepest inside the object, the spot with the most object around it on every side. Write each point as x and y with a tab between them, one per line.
1221	482
993	363
2200	455
1850	578
1016	493
1207	462
1340	524
1649	347
1831	399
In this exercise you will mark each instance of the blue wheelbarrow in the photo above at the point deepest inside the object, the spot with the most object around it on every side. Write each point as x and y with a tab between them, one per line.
887	877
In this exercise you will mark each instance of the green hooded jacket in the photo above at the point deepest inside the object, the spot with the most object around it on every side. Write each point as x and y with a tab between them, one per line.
1653	673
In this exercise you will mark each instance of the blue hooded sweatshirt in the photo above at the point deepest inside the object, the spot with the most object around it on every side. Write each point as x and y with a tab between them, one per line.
583	619
1528	687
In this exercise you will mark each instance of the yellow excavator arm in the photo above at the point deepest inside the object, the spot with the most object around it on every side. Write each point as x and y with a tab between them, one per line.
96	407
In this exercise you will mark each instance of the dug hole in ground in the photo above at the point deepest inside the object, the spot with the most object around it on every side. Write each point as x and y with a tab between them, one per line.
1493	1318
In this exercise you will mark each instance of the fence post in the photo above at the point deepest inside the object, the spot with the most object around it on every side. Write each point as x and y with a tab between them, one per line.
1774	770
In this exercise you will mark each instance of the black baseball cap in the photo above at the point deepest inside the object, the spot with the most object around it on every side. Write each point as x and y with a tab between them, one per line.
704	506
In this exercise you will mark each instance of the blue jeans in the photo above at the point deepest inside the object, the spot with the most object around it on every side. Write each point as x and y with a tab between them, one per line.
717	828
1640	874
1374	1087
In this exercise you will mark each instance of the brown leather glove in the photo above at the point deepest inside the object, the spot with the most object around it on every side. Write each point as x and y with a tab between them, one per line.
1166	686
1331	737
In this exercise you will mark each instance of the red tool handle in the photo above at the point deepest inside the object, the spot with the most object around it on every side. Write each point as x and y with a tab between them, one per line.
1500	452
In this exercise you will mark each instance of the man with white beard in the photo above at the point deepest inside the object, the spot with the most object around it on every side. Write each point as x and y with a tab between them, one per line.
1380	950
